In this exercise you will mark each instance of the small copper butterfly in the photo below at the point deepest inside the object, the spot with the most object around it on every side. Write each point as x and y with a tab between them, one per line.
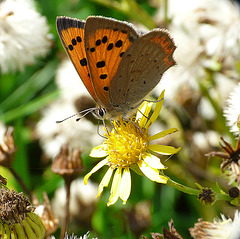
118	64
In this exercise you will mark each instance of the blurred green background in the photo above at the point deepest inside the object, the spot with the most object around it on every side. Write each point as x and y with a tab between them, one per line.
24	94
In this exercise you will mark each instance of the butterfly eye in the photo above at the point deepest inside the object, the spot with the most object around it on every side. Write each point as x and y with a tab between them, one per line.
101	112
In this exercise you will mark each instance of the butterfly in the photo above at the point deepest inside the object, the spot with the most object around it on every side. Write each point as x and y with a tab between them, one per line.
118	64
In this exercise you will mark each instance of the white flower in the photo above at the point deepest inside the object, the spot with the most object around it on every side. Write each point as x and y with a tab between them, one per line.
219	229
81	134
23	34
207	36
82	201
2	132
69	82
85	236
232	110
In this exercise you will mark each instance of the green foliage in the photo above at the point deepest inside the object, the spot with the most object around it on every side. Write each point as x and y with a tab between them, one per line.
24	94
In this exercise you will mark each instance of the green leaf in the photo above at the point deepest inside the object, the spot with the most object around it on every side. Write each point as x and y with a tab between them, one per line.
30	88
28	108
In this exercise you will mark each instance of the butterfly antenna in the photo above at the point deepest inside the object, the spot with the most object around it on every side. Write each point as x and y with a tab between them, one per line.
87	111
69	117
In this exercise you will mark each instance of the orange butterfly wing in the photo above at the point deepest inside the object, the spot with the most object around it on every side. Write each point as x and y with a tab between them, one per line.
71	33
142	68
106	41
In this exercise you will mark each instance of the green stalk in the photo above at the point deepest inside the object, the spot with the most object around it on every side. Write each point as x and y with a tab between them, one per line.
28	108
192	191
131	9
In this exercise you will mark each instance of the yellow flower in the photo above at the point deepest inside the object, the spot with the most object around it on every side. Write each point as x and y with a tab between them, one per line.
128	146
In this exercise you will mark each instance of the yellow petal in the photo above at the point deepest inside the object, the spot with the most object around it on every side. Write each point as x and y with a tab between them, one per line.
152	174
143	113
125	187
99	152
105	181
115	187
141	108
163	133
157	110
153	161
95	169
163	149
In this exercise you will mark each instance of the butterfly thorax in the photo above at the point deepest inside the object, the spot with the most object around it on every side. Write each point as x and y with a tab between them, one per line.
114	112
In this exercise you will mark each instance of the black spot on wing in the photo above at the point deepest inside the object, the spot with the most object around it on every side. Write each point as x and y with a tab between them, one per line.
98	42
70	47
122	53
104	39
83	62
119	43
103	76
100	64
79	39
110	47
74	42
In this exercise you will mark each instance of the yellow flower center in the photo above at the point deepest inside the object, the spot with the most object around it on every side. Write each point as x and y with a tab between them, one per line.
126	143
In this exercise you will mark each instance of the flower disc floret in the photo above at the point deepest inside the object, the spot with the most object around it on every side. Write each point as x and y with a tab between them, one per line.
126	144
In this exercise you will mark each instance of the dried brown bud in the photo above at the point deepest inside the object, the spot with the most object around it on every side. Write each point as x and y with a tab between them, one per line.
172	233
68	165
13	206
46	214
7	148
17	219
233	192
231	160
140	217
3	181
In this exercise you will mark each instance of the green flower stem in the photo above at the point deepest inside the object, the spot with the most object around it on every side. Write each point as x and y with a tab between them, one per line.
224	197
166	19
66	216
20	181
182	188
131	9
192	191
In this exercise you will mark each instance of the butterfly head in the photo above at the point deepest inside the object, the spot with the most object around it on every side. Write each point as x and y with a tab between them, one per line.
99	112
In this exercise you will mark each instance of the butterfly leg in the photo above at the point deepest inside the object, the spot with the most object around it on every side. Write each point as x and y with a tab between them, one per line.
99	131
105	126
129	120
143	114
110	119
152	101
